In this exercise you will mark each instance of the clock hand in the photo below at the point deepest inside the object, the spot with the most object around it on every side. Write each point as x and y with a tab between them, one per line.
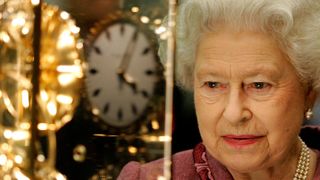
133	86
128	53
121	81
132	83
126	78
121	71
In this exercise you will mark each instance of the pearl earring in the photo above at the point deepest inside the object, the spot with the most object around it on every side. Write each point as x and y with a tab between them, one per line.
309	114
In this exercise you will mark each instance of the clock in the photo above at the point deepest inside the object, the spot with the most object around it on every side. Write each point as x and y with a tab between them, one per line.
124	78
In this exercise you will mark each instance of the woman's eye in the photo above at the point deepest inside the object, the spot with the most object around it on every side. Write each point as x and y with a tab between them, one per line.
213	88
260	87
212	84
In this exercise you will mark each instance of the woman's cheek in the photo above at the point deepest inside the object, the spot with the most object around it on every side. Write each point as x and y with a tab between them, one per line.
205	97
207	112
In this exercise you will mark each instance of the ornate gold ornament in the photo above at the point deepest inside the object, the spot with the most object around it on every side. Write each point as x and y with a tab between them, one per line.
60	80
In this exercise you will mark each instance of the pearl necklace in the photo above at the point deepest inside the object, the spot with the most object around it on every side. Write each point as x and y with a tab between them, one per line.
303	163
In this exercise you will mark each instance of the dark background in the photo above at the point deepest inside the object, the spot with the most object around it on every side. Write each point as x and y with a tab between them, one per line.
82	128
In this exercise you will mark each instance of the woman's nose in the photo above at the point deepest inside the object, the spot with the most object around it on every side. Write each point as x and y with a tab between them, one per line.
236	110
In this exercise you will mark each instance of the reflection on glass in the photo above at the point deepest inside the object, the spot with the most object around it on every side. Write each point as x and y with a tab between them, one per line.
124	95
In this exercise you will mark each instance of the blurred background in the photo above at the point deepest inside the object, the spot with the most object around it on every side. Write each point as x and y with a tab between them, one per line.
87	146
81	129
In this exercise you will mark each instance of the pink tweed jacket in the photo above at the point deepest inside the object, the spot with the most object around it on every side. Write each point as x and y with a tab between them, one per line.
183	164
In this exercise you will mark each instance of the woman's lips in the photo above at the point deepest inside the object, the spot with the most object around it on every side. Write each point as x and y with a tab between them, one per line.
240	141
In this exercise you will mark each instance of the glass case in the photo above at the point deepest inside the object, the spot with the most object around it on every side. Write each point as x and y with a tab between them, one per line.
87	86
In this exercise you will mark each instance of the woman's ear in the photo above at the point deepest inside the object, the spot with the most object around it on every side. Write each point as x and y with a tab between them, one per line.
311	98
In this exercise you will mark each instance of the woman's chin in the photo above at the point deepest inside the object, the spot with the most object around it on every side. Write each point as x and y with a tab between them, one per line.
242	164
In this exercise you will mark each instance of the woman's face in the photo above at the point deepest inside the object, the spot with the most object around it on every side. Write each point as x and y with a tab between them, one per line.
248	98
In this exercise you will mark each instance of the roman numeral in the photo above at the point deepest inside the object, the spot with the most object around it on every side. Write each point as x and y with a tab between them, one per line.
122	28
145	93
97	50
149	72
134	109
120	114
146	50
108	35
96	92
106	108
93	71
135	35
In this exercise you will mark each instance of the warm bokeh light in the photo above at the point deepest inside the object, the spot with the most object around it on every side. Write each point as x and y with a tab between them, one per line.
44	95
60	177
50	58
132	150
155	124
75	29
144	19
5	37
79	153
64	15
52	108
25	98
42	126
7	134
8	104
65	40
64	99
25	125
66	118
3	159
18	21
19	175
35	2
18	159
157	21
153	138
5	147
66	79
135	9
25	30
95	111
41	158
160	30
69	69
164	138
79	45
20	135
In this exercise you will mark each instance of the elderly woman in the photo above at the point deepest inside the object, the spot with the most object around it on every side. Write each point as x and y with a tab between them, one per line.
254	69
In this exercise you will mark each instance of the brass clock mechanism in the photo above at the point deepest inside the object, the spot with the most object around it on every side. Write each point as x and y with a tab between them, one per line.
59	78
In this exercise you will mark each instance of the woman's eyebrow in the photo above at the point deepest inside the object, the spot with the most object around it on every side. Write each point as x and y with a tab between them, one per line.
210	73
272	72
269	71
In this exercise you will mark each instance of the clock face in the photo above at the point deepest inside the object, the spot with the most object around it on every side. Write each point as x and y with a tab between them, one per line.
122	74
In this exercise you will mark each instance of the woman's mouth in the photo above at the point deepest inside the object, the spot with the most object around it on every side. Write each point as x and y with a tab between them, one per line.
241	141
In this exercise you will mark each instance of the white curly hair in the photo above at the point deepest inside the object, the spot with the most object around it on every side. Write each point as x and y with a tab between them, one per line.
295	24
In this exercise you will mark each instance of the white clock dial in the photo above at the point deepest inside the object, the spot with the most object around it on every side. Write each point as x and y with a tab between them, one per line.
122	74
